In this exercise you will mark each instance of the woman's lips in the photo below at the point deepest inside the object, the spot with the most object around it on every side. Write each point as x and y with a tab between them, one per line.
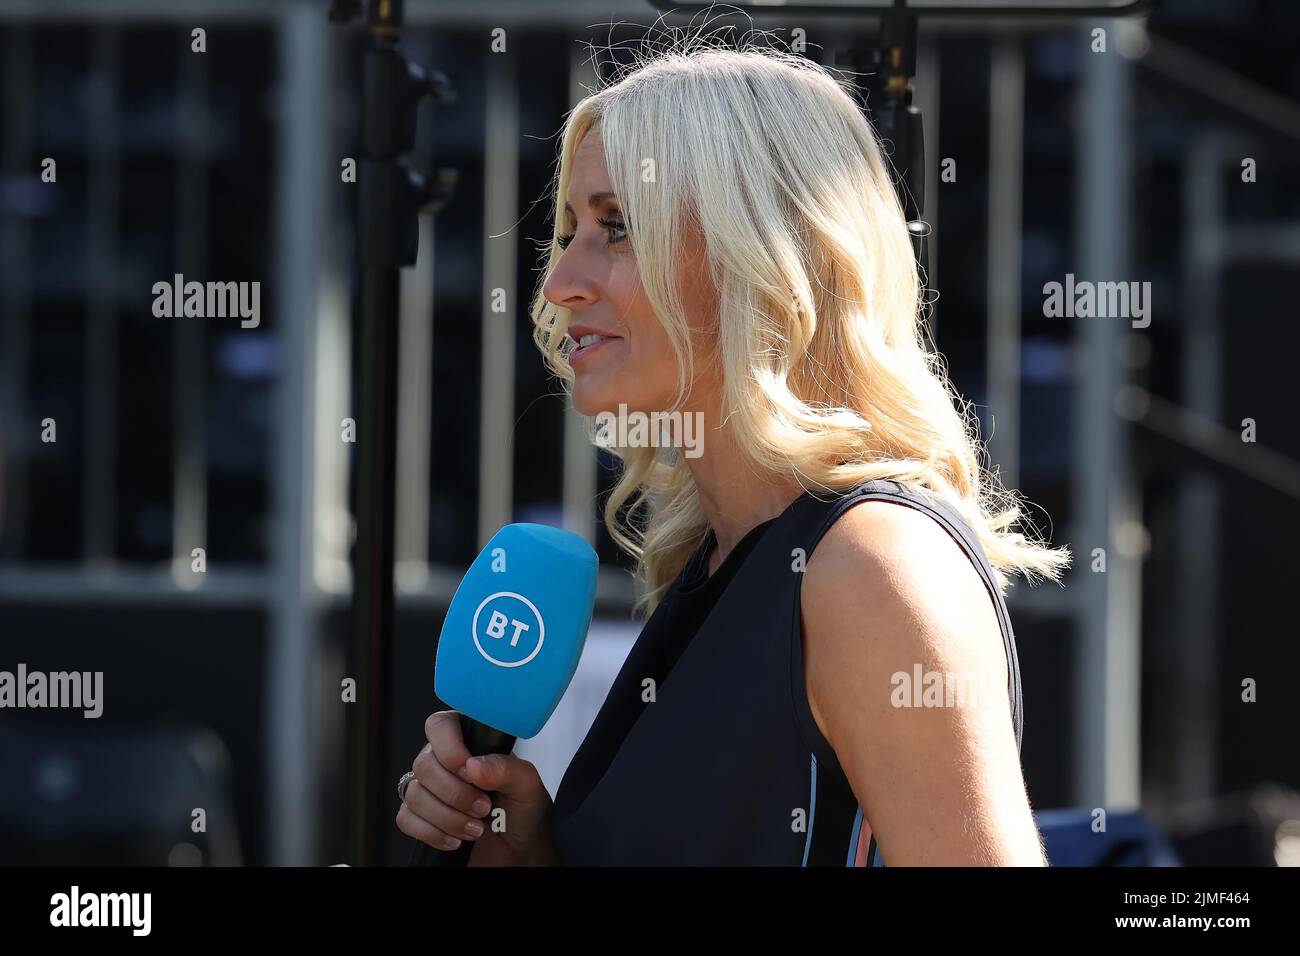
584	352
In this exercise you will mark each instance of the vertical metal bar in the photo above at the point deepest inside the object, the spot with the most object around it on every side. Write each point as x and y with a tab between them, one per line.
189	471
332	522
1006	177
415	374
500	210
16	429
579	489
926	98
415	415
301	218
372	612
375	489
1199	546
99	487
1107	728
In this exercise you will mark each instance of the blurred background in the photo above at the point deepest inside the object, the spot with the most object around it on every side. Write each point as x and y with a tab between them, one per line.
128	441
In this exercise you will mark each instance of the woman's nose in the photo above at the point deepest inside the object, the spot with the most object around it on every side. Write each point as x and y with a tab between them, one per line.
567	287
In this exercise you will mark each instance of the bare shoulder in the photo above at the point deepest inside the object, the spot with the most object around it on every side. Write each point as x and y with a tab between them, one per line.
889	594
887	572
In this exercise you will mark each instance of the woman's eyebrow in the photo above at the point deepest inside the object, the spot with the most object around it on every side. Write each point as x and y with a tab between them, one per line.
593	201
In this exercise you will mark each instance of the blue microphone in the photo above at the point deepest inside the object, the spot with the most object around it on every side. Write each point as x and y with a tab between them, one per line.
511	642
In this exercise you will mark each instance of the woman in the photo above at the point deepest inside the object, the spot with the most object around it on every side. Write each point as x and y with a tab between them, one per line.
728	245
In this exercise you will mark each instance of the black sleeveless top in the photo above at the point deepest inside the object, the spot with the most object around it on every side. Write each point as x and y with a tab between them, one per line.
720	761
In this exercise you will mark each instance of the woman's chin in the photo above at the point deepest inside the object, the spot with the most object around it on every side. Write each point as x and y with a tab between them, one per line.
595	394
590	400
587	404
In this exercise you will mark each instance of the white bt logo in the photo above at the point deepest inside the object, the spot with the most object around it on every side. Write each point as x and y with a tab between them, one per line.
512	632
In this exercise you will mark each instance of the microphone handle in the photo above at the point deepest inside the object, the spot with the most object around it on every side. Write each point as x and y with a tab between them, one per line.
480	739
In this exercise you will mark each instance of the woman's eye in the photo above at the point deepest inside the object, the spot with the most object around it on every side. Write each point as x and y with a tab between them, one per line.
617	231
612	225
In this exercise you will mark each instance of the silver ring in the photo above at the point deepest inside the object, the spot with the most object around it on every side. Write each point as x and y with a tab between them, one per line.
402	783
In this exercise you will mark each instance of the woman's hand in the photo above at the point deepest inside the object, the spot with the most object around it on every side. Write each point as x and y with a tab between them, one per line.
497	800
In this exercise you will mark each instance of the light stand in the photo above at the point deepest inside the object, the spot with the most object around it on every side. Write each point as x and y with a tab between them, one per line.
392	194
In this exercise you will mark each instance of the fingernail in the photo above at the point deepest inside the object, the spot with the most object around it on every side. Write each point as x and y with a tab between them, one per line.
481	806
474	828
450	842
462	774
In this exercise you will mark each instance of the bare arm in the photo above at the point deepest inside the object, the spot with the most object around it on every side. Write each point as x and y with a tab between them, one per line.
888	589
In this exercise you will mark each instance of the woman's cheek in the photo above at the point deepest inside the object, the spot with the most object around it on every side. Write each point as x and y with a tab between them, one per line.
658	374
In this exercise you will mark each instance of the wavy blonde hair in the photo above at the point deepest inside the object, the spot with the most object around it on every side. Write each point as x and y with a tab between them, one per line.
827	376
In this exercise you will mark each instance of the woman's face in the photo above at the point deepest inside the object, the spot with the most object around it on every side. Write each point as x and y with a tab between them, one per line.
597	279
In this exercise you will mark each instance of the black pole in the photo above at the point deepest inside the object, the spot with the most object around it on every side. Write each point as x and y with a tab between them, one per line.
391	196
372	616
376	445
887	66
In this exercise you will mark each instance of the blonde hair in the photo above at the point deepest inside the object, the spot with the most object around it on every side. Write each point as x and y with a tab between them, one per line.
821	340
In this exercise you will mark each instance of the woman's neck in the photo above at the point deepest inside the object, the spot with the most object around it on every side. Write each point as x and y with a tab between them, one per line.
734	499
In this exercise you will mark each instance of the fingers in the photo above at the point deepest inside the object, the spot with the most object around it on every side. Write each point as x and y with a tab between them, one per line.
451	792
423	830
440	809
512	776
446	786
444	734
509	775
439	815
